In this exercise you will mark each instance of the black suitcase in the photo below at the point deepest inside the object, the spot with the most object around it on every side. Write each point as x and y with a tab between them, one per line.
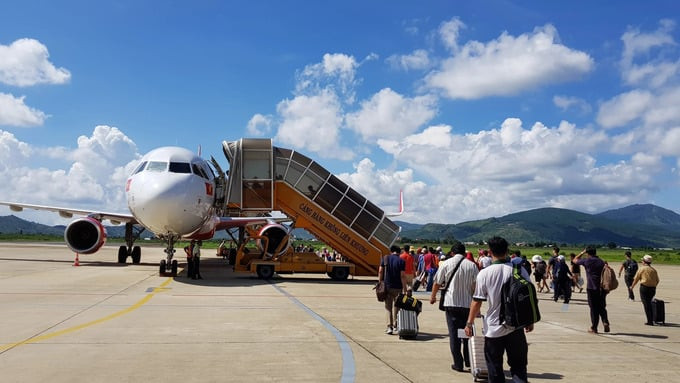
658	311
406	302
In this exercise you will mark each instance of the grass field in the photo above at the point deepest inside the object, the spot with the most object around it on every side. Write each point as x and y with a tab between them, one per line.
614	256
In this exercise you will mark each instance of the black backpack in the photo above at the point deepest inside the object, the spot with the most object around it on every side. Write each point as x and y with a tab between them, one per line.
632	268
519	302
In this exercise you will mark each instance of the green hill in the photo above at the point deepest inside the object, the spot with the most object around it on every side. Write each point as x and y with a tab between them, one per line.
636	226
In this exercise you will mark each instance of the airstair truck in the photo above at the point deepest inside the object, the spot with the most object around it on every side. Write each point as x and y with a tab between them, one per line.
267	178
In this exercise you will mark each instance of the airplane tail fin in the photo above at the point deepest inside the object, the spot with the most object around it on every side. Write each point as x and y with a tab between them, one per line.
401	206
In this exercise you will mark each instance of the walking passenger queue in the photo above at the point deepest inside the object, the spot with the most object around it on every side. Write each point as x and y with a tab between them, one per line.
464	283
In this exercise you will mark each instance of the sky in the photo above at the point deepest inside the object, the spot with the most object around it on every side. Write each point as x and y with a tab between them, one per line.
475	109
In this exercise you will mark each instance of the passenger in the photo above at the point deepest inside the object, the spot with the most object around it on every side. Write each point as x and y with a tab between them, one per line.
391	271
190	262
562	277
499	338
484	260
430	267
471	258
577	281
196	257
630	267
648	279
540	270
421	274
551	266
457	299
222	250
526	264
408	261
597	297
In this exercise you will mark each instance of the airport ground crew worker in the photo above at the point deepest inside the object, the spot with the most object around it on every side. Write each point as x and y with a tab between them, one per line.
196	257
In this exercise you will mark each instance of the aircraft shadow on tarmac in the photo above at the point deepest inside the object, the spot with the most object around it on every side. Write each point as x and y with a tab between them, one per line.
426	336
543	375
216	272
83	263
637	335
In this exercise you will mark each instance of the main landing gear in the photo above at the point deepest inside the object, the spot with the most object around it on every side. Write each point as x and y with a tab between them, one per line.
129	250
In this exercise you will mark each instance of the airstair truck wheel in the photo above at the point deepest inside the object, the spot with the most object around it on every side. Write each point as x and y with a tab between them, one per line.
265	271
340	273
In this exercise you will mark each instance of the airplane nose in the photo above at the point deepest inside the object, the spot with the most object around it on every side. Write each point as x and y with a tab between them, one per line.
164	205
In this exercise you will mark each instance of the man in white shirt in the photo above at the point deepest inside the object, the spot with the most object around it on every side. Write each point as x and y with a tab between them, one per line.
456	300
499	338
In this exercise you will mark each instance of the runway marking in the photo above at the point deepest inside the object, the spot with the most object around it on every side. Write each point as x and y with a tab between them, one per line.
40	338
348	368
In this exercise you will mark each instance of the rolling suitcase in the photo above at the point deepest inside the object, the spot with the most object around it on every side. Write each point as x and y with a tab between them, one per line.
407	324
477	360
658	311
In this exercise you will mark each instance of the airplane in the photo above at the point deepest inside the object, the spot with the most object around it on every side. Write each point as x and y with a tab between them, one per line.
170	193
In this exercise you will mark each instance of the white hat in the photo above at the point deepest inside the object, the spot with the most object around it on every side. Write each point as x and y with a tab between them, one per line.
560	257
647	258
536	258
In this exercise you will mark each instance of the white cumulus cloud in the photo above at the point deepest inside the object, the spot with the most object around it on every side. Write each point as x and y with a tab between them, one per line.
389	114
259	125
90	176
25	62
417	60
572	103
313	122
14	112
508	65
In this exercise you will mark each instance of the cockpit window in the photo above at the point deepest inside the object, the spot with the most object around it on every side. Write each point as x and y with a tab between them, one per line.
157	166
180	167
199	171
140	167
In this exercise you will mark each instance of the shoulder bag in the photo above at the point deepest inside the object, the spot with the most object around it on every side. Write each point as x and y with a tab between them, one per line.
380	288
443	291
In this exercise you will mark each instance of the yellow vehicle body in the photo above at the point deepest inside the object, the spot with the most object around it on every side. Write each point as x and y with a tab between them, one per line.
364	254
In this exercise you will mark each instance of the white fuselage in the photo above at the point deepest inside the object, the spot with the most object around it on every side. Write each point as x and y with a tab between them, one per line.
172	192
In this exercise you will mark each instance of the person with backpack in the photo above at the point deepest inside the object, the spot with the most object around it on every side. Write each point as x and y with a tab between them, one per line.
630	267
597	297
648	279
499	337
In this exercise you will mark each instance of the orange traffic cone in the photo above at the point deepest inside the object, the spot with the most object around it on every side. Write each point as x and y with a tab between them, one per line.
76	262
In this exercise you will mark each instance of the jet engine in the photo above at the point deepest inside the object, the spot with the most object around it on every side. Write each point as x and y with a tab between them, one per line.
85	235
279	238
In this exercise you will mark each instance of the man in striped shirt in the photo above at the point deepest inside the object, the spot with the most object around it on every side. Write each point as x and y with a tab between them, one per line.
457	299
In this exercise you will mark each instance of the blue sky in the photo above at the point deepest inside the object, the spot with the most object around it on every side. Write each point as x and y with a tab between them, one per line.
474	109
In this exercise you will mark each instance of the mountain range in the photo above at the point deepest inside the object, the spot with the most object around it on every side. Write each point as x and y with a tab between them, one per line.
632	226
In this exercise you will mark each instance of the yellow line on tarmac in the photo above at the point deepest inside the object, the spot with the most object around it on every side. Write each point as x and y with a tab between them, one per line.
40	338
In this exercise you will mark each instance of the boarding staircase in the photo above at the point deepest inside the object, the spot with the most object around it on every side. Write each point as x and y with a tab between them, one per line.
264	178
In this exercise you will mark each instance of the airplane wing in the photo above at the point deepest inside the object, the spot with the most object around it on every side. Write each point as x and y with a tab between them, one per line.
114	218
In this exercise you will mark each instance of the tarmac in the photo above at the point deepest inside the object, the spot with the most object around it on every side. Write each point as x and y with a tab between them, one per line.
105	322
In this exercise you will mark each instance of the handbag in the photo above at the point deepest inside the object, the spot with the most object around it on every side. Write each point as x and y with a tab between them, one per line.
443	291
380	291
380	288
